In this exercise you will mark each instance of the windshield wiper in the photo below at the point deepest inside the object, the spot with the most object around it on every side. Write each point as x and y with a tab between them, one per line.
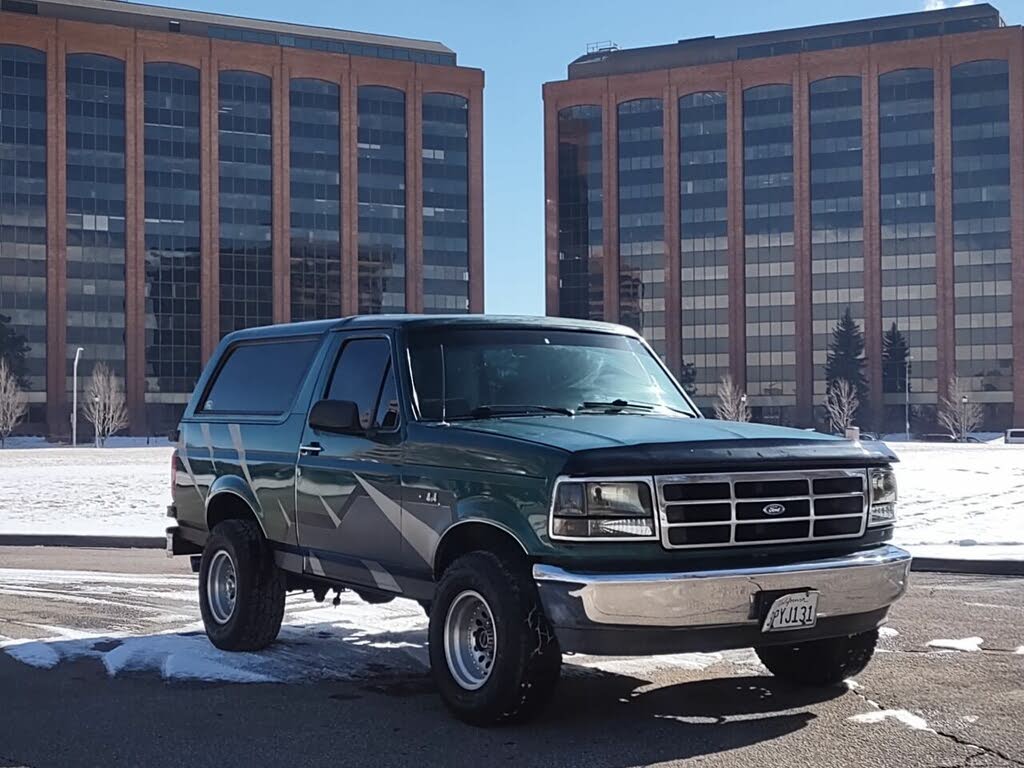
618	404
492	411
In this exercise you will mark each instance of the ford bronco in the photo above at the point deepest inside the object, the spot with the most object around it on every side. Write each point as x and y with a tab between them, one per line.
540	487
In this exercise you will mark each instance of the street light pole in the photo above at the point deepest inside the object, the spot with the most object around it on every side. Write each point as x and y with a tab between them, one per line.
74	400
963	419
906	396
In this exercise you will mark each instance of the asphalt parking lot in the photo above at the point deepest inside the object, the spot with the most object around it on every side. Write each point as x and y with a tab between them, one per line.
914	706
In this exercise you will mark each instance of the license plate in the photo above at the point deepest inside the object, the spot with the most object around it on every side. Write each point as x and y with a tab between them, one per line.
797	610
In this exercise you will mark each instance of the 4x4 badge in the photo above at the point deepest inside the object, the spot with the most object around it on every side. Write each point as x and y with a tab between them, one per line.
773	510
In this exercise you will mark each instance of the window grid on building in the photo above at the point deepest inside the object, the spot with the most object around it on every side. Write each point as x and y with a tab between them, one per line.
445	203
173	309
981	233
246	192
641	197
381	151
837	213
95	212
23	209
768	250
704	238
906	136
580	213
315	167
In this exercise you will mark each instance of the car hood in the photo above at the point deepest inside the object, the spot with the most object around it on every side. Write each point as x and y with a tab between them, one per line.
651	443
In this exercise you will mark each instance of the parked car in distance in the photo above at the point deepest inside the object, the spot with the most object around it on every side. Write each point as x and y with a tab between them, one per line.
1014	437
938	437
539	486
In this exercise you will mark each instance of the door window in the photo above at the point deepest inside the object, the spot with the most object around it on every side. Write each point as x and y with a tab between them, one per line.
364	375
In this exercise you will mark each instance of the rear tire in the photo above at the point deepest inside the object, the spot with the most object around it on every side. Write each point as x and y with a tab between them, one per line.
505	663
820	663
241	589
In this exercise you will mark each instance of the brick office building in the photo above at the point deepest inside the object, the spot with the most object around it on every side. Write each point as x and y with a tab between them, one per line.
733	197
168	176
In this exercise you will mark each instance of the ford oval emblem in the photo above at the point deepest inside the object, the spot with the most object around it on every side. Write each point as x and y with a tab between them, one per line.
773	510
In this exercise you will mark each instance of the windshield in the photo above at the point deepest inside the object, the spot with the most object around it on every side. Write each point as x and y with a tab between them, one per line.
508	371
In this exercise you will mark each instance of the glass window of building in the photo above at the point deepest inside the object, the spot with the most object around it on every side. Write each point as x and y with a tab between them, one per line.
445	203
580	213
906	137
172	303
95	212
381	149
641	154
768	250
981	235
246	209
837	214
704	239
23	211
315	137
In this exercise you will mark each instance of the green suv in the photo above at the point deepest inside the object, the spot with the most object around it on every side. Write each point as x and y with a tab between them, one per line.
539	486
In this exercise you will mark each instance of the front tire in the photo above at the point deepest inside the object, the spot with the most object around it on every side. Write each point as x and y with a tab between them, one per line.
493	655
241	589
820	663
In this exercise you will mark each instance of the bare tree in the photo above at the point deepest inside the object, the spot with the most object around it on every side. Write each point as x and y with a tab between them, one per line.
841	403
104	404
13	402
732	401
956	411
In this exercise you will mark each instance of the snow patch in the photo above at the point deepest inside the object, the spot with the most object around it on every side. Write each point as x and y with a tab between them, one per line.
967	644
36	653
851	684
1020	651
888	632
908	719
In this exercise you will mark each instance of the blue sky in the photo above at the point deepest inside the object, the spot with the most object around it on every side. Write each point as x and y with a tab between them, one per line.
521	45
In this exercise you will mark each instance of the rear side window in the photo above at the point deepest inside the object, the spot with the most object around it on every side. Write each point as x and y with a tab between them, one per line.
261	378
364	375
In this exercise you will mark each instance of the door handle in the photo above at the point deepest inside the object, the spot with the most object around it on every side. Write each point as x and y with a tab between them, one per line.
313	449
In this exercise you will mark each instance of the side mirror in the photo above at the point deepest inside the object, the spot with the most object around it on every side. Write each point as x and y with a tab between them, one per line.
336	416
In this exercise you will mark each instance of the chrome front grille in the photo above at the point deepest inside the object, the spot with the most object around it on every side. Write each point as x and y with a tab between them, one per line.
750	508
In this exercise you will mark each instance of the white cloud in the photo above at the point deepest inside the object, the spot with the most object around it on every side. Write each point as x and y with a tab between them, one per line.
938	5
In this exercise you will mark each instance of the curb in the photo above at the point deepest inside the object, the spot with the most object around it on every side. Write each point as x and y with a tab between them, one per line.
981	567
92	542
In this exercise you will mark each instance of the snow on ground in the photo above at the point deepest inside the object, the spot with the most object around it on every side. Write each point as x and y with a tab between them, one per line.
908	719
85	491
158	632
966	644
955	500
960	500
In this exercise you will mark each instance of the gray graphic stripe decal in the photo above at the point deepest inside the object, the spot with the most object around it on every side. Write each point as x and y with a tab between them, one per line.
284	514
381	577
330	512
183	455
205	428
420	536
315	566
236	440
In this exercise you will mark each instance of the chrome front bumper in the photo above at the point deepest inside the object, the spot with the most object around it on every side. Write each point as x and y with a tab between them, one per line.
598	612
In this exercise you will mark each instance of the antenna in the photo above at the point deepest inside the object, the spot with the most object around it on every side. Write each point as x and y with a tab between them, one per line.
444	388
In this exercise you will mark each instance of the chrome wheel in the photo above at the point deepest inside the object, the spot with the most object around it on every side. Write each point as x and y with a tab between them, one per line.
222	587
470	642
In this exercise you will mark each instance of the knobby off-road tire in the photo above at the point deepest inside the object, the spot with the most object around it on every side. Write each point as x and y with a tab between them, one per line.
526	661
820	663
252	620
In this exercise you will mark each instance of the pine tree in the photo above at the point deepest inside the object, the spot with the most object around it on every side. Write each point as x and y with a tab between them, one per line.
846	356
13	349
895	354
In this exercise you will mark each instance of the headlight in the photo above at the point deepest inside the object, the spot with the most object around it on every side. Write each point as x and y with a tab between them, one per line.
883	497
602	510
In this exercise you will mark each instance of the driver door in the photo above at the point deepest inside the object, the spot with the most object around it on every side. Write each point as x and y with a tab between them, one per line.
348	486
